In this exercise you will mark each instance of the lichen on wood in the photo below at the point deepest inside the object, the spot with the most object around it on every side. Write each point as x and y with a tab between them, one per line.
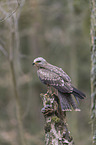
56	131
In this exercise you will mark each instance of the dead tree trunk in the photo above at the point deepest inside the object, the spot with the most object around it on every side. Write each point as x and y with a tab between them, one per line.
56	131
93	69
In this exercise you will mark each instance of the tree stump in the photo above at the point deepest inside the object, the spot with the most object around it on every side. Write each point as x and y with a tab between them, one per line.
56	131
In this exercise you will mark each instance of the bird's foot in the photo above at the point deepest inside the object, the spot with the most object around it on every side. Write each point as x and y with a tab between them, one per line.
49	90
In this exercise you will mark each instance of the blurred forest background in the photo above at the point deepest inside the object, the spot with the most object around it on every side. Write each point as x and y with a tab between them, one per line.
59	31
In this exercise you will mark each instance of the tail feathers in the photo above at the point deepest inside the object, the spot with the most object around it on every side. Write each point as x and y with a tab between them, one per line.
78	94
65	105
66	101
73	103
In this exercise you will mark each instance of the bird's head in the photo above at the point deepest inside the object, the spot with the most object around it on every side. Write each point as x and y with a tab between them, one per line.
39	62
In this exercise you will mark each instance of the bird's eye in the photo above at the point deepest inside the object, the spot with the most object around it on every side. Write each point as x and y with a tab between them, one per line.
38	61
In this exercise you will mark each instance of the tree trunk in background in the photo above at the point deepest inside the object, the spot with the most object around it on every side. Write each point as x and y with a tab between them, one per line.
12	46
14	63
93	69
56	131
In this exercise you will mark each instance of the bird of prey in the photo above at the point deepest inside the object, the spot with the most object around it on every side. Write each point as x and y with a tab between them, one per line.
54	76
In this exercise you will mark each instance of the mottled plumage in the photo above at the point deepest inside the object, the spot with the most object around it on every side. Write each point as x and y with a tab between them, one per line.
57	78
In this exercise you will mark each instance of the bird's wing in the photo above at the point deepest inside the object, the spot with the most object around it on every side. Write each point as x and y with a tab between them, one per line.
58	71
53	79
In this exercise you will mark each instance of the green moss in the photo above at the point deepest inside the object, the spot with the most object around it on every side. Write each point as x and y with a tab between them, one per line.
55	119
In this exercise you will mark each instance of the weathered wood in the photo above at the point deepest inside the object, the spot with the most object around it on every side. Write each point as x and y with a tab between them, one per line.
56	131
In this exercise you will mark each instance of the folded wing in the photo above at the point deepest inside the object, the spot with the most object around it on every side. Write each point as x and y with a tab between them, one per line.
53	79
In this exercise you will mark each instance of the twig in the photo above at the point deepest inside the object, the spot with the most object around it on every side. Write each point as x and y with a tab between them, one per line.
9	15
3	51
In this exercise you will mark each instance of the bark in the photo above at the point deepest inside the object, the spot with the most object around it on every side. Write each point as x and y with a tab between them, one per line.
56	131
93	69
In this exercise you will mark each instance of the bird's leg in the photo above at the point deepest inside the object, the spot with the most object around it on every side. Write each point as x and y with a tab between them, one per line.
49	91
55	91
